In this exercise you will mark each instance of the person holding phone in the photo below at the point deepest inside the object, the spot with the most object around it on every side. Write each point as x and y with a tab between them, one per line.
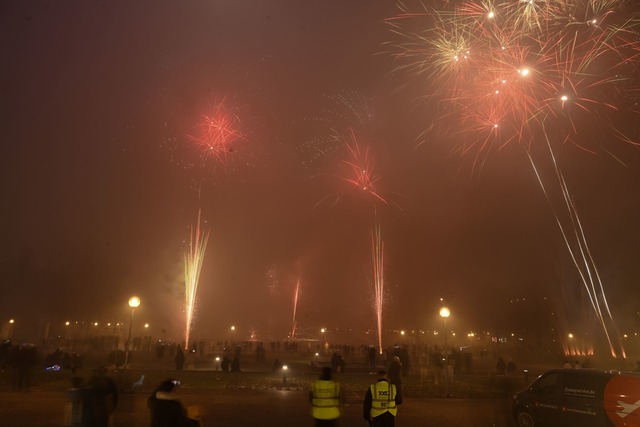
166	408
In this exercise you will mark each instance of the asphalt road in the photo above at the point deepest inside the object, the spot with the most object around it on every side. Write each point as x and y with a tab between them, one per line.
239	408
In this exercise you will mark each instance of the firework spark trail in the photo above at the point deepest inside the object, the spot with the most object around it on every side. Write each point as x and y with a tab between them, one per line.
378	278
294	322
346	149
192	265
583	261
596	285
360	165
506	71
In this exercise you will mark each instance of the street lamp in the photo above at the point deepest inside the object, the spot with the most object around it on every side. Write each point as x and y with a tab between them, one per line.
233	330
134	302
445	313
10	328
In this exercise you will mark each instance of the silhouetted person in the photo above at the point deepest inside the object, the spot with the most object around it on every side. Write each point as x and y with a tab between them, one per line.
76	362
500	366
22	360
105	397
334	362
341	364
372	356
405	360
80	407
179	359
166	409
235	364
224	365
395	371
159	351
260	352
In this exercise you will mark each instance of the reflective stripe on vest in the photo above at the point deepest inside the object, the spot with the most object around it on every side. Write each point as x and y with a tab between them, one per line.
383	398
325	403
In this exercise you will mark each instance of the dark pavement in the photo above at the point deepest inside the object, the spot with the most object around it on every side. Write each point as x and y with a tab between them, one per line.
239	408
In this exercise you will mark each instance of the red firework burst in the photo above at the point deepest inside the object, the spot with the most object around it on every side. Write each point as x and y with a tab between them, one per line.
218	132
522	65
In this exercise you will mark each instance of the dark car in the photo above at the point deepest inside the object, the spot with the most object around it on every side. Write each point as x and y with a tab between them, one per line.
579	397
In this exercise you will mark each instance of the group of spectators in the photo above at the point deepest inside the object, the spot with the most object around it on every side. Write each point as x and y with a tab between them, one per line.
92	403
21	360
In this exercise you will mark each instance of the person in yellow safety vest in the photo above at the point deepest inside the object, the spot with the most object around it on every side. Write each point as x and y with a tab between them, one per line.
381	402
325	400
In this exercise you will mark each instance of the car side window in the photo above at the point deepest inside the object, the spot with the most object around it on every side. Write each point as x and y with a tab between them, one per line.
546	385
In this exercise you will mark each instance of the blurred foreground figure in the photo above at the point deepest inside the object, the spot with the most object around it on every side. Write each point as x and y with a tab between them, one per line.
168	411
325	400
79	409
104	392
92	403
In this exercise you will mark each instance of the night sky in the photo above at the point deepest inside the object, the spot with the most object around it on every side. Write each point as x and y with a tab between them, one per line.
101	183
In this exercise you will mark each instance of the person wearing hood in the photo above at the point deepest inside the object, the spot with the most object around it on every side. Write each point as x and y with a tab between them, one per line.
166	408
381	402
325	399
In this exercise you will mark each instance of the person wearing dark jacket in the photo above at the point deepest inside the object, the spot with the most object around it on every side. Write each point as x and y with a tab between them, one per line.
105	397
166	409
395	370
381	402
179	359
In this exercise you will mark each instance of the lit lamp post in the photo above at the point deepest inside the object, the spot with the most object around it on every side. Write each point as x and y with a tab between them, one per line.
233	330
10	328
134	302
445	313
571	345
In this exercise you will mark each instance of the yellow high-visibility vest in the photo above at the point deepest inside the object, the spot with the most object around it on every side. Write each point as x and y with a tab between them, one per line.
383	398
325	400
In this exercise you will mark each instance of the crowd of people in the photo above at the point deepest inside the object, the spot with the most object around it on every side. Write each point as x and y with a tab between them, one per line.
92	401
21	360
